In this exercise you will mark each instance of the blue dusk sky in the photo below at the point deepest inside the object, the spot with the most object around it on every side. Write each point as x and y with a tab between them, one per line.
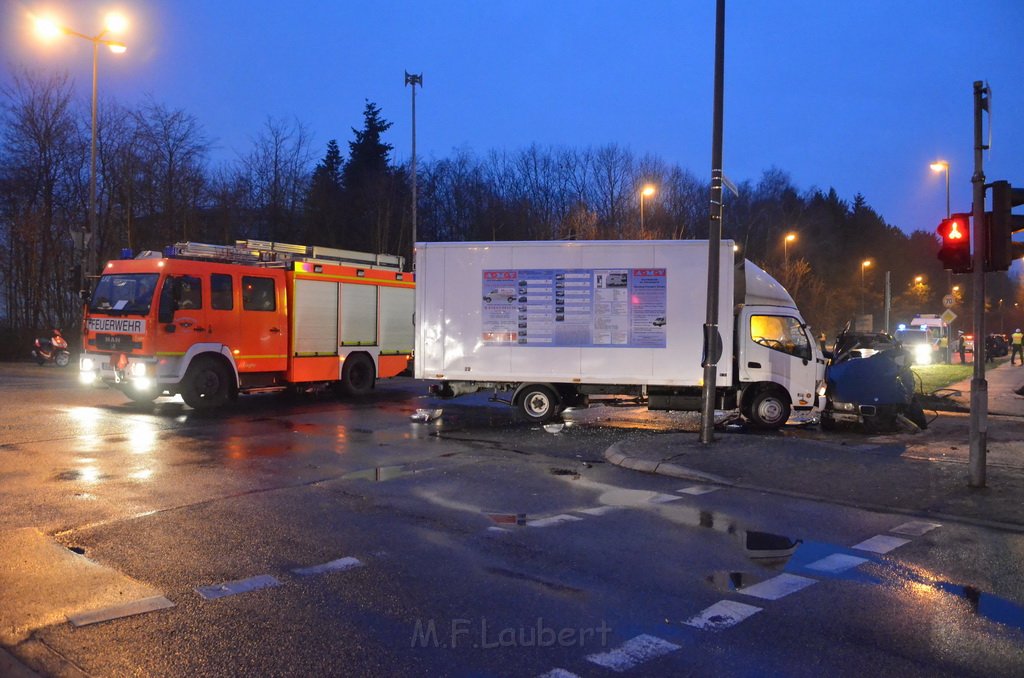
860	96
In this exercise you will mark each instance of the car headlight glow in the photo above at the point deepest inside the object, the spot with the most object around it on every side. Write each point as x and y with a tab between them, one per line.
86	377
923	354
87	364
844	407
137	369
142	383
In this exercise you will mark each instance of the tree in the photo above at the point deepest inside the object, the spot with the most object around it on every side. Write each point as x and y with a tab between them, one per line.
372	190
324	199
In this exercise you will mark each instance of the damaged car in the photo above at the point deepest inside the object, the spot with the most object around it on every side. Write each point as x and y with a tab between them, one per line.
869	385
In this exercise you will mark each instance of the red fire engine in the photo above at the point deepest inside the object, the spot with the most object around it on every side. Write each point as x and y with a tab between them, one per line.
211	321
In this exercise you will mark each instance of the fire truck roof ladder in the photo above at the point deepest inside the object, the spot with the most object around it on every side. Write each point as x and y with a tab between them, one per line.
268	253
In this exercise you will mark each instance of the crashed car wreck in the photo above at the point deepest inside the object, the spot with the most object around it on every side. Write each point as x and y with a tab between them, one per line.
869	385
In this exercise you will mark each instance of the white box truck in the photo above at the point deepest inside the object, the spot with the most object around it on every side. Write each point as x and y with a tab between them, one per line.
550	324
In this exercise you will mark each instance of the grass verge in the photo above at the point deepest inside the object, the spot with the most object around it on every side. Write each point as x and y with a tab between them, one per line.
934	377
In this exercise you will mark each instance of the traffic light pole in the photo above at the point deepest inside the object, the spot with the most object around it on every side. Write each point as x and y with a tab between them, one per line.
979	387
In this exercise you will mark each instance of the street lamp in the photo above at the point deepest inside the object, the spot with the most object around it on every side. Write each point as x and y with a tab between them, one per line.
863	265
943	166
646	192
48	29
411	79
790	237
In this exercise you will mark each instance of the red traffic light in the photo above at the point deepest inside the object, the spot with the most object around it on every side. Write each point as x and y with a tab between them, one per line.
955	253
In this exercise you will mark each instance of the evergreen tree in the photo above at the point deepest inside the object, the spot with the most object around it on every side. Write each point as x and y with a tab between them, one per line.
324	210
367	186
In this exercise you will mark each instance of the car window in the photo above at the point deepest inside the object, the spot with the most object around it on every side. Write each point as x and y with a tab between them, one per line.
258	294
780	333
221	289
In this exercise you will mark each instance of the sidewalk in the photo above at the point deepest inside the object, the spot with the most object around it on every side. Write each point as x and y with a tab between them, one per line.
922	474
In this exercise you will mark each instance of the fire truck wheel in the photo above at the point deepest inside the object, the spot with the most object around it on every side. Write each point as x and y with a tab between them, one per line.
357	375
207	384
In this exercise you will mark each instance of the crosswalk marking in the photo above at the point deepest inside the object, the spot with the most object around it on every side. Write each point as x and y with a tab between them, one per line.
915	528
722	615
778	587
633	652
837	562
231	588
881	543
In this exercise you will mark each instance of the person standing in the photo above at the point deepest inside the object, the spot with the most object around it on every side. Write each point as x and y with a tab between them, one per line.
944	348
961	347
1017	343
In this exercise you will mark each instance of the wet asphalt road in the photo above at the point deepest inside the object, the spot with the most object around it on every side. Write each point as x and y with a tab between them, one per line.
473	545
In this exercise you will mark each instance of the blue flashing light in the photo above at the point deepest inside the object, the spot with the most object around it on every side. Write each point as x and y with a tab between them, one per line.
169	252
901	327
126	252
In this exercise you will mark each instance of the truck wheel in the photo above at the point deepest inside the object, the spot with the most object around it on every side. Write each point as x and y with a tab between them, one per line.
357	375
207	384
538	404
769	409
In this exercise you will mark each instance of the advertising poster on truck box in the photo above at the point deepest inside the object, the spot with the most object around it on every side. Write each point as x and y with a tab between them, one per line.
579	307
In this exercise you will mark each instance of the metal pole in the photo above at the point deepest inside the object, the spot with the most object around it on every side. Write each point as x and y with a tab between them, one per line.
979	387
949	283
641	214
87	245
888	299
413	80
712	340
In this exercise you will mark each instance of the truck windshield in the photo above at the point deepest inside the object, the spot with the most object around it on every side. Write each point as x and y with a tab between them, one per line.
124	293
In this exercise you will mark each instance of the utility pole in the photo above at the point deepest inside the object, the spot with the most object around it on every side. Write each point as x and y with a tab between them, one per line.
979	387
413	80
712	339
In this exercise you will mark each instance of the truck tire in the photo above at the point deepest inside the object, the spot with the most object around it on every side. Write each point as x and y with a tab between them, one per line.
358	376
769	409
538	404
207	384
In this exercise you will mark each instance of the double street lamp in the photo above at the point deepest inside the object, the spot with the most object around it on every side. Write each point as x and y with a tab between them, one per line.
790	237
49	29
863	265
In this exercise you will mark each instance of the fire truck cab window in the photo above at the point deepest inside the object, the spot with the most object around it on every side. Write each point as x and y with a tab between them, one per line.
258	294
189	292
221	298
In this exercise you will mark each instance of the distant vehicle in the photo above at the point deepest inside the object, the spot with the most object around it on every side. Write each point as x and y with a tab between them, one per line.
54	349
659	322
919	343
998	345
969	343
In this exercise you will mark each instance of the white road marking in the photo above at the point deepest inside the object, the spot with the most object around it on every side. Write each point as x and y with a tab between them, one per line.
231	588
837	562
881	543
778	587
553	520
722	615
599	510
118	611
339	565
633	652
698	489
915	528
664	498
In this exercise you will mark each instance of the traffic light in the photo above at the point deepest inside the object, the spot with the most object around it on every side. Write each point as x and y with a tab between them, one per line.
955	253
1002	224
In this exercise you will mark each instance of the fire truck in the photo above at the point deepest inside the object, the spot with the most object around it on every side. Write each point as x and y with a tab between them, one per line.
211	321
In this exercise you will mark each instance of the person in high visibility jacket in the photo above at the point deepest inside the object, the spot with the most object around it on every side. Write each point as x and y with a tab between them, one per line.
1016	341
944	348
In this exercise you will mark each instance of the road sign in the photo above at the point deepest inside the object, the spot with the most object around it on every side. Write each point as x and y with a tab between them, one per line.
948	316
948	300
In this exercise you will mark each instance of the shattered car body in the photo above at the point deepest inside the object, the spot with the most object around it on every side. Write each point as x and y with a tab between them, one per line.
869	384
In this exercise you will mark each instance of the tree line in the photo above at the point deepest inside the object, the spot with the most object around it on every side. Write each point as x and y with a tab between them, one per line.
156	185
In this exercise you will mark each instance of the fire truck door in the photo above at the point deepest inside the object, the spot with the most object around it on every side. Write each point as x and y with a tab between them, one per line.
222	311
182	314
263	331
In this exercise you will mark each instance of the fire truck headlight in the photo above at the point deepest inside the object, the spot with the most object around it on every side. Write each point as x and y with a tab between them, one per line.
86	377
142	383
137	369
87	365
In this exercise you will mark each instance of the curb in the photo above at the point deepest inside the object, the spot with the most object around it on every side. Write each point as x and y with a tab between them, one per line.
10	666
615	456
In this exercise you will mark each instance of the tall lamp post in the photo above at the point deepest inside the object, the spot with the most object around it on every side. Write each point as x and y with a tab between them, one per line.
790	237
943	166
646	192
413	80
48	29
863	265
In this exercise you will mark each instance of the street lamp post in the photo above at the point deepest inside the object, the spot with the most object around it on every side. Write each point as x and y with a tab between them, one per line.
863	265
646	192
48	29
413	80
790	237
943	166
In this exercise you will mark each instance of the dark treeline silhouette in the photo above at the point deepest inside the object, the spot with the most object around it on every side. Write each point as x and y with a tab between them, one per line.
156	186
